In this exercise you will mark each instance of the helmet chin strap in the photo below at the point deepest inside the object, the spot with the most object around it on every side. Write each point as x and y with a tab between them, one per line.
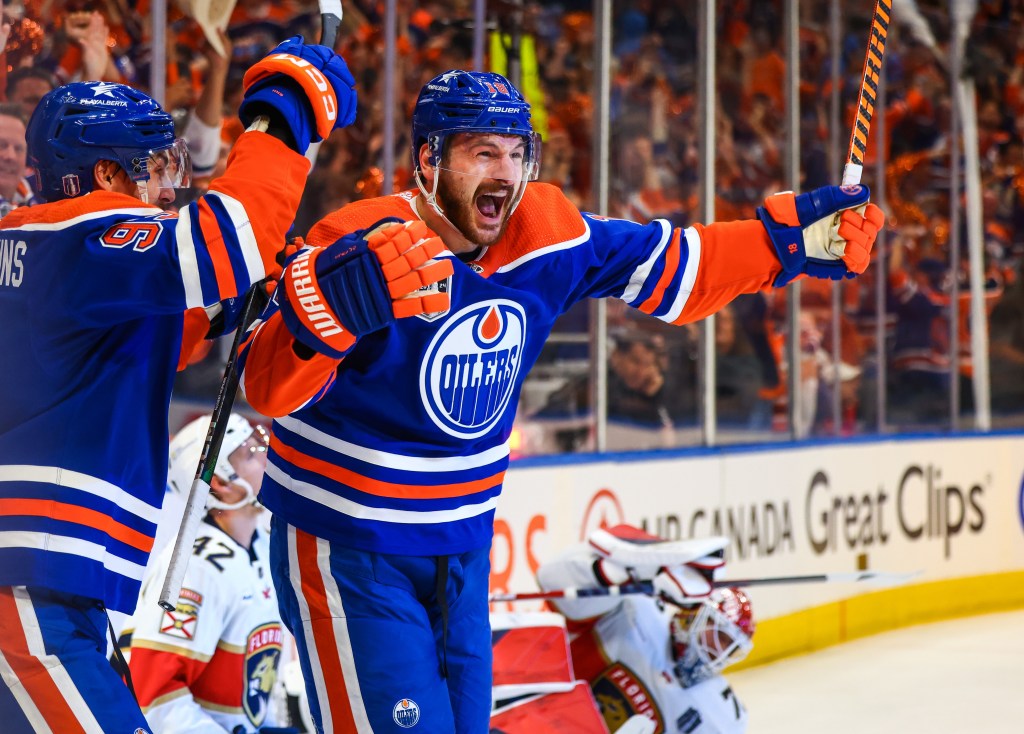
250	497
431	197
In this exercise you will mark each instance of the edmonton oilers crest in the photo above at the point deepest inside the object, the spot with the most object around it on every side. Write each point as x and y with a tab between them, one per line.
471	367
262	653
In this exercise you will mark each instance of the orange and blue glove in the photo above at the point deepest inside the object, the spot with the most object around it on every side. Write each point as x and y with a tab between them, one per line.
330	296
825	233
306	87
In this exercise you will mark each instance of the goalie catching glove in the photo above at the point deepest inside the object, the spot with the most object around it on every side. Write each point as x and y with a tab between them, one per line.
681	569
305	87
809	238
331	296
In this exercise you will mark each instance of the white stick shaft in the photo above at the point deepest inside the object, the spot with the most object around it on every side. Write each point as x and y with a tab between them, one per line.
195	509
880	578
852	173
330	19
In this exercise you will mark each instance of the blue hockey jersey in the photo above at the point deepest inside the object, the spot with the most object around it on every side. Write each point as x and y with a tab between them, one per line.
402	446
92	296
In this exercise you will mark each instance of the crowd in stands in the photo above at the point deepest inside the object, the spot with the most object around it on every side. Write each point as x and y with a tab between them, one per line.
654	161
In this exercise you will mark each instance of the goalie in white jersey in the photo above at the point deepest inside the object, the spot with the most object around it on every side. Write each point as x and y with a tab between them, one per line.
641	656
209	666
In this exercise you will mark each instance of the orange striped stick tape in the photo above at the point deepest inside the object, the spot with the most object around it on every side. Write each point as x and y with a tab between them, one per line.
868	92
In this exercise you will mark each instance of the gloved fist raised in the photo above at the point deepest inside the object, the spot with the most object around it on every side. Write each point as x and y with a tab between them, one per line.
681	584
810	238
330	296
308	86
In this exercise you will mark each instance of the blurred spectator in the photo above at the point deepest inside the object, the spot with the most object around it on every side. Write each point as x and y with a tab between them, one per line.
88	56
1006	343
14	189
919	388
640	391
737	371
27	85
203	130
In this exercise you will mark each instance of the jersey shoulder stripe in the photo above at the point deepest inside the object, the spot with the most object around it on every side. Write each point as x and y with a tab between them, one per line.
360	215
544	221
68	213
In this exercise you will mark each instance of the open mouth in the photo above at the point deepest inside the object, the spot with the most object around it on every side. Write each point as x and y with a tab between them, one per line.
490	205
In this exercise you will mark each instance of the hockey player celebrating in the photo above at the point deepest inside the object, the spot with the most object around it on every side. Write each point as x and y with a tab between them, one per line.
93	287
394	414
210	665
642	656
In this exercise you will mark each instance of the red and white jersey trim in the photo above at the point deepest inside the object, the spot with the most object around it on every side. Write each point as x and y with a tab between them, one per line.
147	211
689	276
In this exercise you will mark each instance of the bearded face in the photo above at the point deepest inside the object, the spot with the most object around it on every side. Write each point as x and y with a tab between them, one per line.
480	177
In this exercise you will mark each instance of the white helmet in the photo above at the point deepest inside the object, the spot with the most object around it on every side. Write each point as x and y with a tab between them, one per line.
187	447
711	635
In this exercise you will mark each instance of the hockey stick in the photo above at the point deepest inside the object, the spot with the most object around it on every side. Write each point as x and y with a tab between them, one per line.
879	578
870	77
195	507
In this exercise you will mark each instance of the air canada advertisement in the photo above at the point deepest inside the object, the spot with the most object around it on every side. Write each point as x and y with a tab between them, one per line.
938	508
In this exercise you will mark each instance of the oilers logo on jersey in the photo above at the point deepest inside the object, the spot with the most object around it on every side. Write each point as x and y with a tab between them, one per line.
468	375
262	654
406	713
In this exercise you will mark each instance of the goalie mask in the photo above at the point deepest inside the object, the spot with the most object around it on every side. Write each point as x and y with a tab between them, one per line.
187	447
709	636
471	102
77	125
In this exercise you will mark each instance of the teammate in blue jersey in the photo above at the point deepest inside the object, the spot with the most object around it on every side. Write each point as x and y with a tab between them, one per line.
94	285
394	410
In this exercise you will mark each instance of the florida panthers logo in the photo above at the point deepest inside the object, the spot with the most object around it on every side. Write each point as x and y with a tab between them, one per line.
262	654
471	367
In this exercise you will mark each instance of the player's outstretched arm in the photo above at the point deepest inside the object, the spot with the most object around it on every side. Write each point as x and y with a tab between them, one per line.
682	275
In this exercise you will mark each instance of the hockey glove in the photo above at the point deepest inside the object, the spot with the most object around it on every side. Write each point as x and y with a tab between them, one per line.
681	585
308	86
806	237
330	296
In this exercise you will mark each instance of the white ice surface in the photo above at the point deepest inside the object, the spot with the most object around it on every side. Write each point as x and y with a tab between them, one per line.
956	677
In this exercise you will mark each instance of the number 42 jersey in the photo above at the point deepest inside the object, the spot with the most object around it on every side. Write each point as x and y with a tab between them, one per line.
211	664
